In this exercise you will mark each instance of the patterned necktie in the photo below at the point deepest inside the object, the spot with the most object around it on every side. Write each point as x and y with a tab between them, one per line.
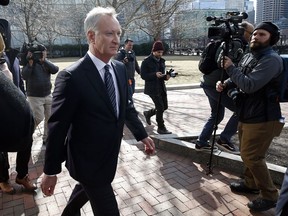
110	87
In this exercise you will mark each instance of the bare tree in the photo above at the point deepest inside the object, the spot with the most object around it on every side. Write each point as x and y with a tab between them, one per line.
51	19
157	14
29	16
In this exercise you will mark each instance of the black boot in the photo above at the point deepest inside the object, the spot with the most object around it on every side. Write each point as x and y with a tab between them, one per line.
163	130
147	117
148	114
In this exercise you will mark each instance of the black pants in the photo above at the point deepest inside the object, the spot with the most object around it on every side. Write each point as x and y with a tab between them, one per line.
102	200
22	161
161	104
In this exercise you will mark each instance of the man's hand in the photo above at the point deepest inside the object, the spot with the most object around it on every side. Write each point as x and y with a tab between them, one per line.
159	74
29	57
125	60
220	86
149	145
48	184
227	62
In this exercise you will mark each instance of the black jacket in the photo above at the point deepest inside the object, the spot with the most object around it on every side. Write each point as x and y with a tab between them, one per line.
149	67
257	101
38	78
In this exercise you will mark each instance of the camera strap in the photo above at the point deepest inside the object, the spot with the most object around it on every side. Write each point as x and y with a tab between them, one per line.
247	63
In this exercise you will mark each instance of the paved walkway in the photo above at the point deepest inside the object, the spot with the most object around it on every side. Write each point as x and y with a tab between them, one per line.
164	184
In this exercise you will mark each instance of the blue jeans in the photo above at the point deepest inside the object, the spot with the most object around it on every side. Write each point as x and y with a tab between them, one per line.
231	126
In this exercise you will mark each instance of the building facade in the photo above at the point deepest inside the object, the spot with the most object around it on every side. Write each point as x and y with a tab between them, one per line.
274	11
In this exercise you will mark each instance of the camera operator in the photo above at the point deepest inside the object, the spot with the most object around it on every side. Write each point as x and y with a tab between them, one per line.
37	74
153	72
208	83
257	80
128	57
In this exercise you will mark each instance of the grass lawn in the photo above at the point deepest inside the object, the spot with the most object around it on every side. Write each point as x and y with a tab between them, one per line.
185	66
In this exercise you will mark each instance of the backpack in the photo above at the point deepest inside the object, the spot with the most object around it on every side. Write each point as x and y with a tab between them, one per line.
284	80
207	63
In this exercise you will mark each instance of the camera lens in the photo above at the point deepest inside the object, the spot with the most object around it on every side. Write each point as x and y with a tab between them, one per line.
232	93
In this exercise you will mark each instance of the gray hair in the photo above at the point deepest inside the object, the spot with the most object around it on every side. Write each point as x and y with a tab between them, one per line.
92	18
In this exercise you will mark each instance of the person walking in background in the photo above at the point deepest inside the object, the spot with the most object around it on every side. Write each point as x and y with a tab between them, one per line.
256	83
37	75
89	109
128	57
17	123
153	72
208	83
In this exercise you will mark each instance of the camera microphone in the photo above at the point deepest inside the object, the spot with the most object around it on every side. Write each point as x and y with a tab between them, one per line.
244	15
209	18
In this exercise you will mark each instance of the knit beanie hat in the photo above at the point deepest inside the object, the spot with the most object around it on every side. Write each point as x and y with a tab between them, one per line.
157	46
272	29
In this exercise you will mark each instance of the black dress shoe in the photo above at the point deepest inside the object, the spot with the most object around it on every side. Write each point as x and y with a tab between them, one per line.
240	187
261	205
147	117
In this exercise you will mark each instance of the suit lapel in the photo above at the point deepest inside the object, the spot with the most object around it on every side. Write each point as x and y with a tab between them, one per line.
96	81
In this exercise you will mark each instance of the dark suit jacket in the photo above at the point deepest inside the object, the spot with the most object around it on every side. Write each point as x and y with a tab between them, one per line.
83	128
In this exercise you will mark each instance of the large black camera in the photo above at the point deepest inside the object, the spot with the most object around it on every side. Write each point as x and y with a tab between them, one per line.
129	55
36	51
226	28
233	93
171	73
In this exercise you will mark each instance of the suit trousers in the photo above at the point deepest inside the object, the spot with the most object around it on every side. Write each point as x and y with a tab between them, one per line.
255	140
102	200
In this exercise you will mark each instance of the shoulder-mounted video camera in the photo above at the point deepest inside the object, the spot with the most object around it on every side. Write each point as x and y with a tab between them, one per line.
226	28
36	51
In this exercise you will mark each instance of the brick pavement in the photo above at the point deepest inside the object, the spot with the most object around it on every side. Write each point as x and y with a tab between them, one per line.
164	184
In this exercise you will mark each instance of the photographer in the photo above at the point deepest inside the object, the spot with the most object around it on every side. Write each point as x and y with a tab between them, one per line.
257	78
37	74
127	56
153	72
208	83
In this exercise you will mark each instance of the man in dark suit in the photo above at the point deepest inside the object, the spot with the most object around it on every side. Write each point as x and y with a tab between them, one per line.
85	129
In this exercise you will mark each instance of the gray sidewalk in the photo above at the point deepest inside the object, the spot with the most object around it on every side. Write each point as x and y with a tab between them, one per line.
163	184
